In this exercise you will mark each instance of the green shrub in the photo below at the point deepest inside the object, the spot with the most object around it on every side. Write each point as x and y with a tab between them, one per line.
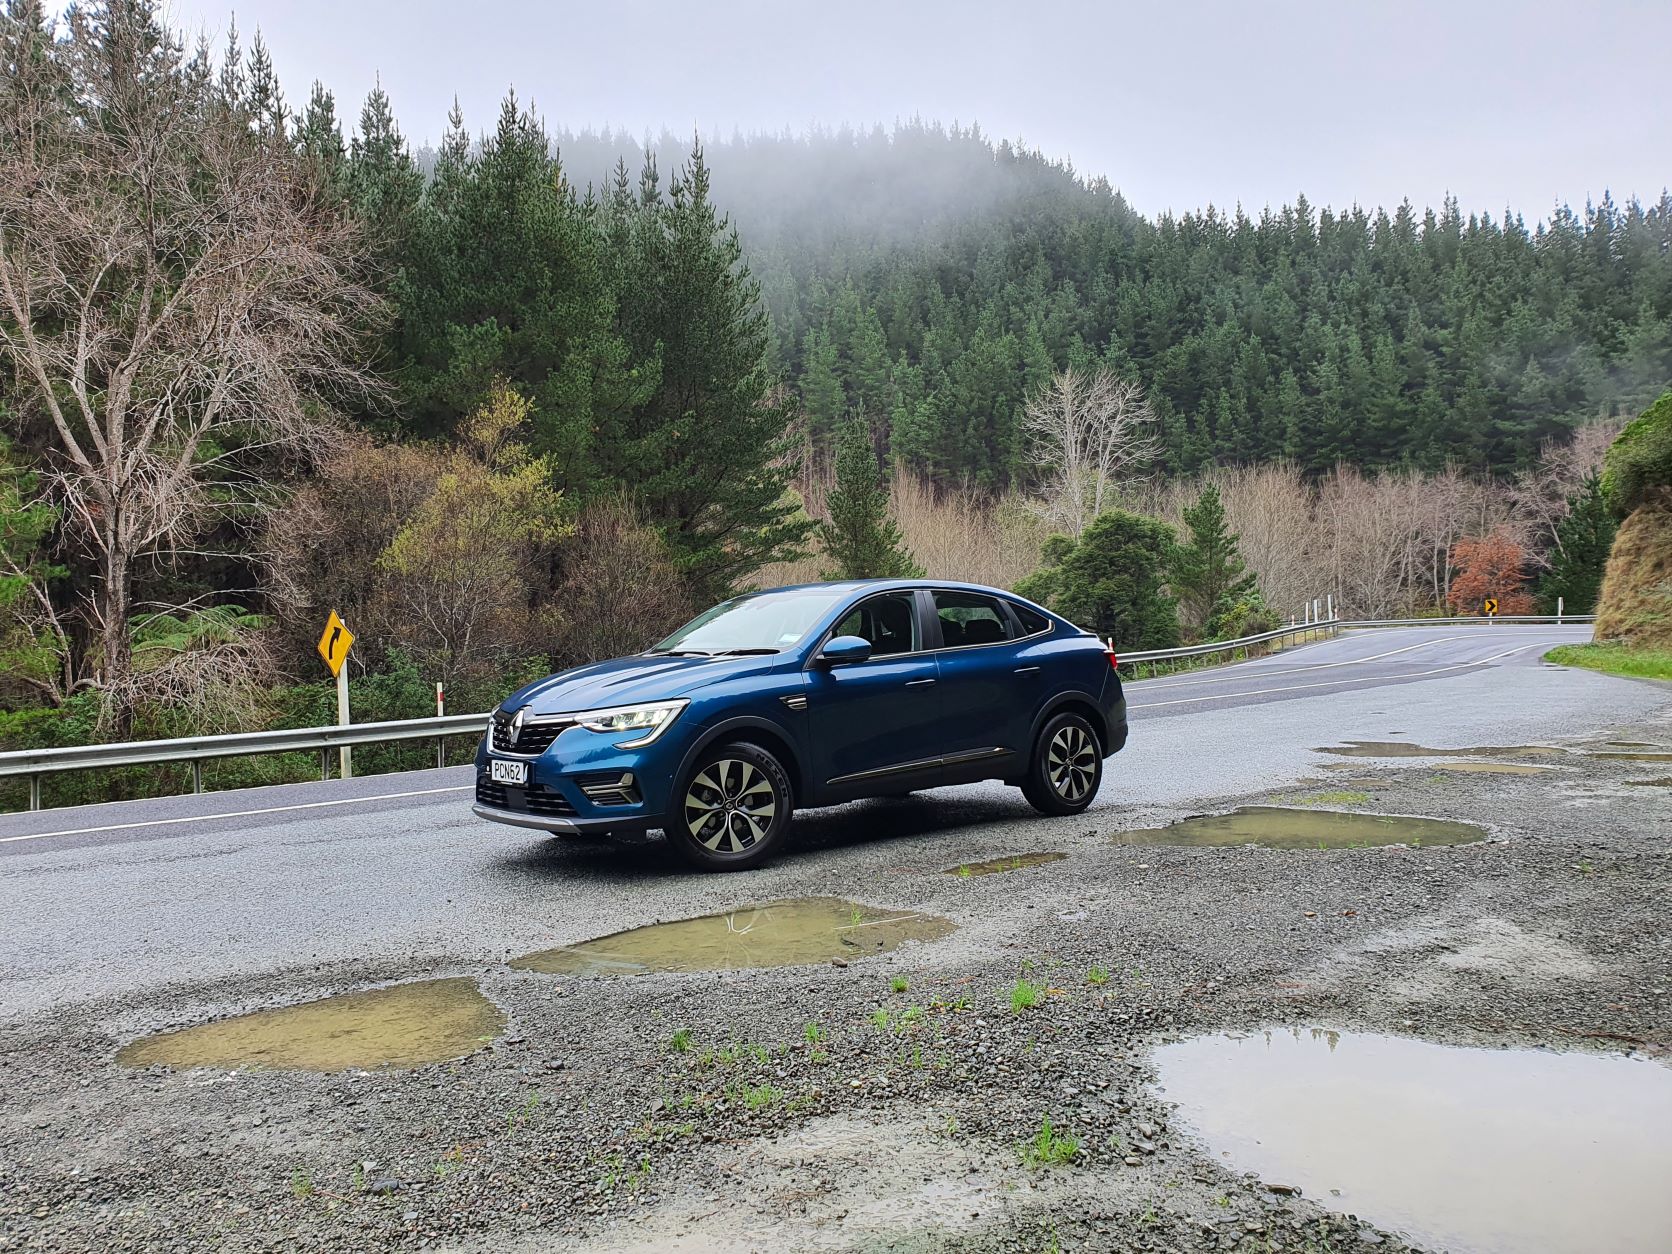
1243	615
1639	463
1112	581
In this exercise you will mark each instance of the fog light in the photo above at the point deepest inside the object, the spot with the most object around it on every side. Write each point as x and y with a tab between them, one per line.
610	790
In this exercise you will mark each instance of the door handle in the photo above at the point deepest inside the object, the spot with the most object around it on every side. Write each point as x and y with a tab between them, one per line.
918	683
1027	670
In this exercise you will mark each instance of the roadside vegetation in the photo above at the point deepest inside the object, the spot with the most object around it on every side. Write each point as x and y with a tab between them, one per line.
1615	659
611	387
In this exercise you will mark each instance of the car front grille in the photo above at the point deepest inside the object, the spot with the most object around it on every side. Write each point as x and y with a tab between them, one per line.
535	739
535	799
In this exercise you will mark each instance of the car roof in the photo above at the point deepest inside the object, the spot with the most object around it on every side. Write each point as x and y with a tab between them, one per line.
863	585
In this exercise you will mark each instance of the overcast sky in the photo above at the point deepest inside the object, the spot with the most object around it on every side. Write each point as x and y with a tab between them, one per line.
1524	103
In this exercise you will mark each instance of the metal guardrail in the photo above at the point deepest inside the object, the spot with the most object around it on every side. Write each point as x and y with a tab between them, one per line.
33	764
1329	626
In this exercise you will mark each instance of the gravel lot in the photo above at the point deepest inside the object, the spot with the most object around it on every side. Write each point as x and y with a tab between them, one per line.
583	1128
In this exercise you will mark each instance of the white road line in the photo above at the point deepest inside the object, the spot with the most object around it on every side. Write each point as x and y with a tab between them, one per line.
427	792
1332	683
238	814
1149	685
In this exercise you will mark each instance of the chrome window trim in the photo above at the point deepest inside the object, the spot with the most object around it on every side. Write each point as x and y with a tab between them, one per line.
987	644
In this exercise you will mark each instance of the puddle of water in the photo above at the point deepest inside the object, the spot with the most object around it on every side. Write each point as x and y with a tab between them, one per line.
997	866
1277	827
1633	757
1493	768
1401	749
1479	1150
777	934
403	1026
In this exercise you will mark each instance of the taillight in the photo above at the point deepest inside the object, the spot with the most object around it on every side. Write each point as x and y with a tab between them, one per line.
1114	662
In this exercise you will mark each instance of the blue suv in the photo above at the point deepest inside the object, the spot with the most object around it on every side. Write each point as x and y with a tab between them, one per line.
807	696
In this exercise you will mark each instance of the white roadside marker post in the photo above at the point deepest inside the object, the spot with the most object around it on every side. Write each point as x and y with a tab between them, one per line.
346	753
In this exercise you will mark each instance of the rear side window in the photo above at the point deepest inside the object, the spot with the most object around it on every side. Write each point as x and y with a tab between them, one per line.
1033	622
888	621
970	618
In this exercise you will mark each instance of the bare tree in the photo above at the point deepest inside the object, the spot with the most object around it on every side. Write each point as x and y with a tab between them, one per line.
175	301
1540	494
1089	433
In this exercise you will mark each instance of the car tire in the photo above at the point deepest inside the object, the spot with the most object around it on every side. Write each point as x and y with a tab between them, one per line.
1066	768
731	811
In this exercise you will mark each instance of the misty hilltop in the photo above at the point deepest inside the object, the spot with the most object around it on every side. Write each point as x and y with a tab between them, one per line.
930	275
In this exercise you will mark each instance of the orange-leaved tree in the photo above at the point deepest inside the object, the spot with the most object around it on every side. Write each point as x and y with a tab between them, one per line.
1489	567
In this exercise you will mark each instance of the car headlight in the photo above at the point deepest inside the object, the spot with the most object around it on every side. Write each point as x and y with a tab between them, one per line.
652	719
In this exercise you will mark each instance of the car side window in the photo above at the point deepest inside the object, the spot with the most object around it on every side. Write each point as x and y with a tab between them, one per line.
888	621
970	618
1033	622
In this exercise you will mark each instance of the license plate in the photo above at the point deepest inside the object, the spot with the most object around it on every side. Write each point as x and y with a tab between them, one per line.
508	772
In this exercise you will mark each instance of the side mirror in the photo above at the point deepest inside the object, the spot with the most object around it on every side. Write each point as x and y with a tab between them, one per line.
842	650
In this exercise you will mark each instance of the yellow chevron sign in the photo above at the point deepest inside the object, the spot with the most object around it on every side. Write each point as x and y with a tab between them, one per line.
336	640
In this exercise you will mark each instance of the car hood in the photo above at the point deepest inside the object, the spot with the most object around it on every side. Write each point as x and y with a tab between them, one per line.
630	680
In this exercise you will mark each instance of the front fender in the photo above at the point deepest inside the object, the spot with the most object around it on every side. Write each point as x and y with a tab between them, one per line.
784	742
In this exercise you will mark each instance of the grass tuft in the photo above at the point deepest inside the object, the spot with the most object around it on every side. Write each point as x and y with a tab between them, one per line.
1024	996
1049	1148
1331	799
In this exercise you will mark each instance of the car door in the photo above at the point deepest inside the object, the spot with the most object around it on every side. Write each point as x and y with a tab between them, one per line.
987	694
871	722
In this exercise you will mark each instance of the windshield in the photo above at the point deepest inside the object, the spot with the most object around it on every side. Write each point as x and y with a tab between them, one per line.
761	622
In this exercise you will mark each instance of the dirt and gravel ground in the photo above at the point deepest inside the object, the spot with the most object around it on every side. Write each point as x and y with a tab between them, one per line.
582	1127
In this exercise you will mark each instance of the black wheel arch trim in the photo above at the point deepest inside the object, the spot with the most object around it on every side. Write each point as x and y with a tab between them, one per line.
738	727
1094	712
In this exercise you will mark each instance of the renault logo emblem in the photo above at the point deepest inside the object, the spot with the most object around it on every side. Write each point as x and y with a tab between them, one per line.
517	724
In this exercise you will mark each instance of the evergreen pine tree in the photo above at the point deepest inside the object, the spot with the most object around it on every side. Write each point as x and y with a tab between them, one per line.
319	139
709	455
861	540
1112	580
821	390
1208	571
265	100
1583	540
384	182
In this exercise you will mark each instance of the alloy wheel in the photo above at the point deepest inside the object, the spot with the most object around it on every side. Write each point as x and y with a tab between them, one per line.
730	806
1071	763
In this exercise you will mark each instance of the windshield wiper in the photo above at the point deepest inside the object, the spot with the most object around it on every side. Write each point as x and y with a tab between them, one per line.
742	652
679	653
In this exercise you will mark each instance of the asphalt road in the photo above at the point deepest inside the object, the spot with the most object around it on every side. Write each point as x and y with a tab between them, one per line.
148	911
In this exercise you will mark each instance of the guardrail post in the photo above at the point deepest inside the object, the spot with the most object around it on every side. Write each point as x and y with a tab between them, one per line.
197	774
34	792
324	765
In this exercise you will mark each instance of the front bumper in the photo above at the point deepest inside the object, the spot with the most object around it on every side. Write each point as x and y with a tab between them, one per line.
556	796
555	824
